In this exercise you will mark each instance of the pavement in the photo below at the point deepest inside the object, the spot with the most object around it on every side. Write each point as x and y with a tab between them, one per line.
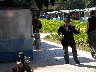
49	58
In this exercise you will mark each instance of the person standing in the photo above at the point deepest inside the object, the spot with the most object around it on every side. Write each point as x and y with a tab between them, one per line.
66	32
36	23
91	32
91	27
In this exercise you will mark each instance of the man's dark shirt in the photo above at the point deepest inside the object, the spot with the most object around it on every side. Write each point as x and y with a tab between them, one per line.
92	23
68	35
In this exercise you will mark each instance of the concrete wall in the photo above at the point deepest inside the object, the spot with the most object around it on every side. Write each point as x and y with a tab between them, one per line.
15	33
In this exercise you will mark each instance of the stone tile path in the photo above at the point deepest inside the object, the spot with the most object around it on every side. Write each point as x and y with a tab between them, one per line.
50	59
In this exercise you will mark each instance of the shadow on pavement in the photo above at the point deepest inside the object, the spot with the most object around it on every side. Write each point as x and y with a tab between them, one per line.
50	55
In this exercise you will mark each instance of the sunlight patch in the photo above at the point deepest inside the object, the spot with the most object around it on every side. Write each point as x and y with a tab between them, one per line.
58	57
55	48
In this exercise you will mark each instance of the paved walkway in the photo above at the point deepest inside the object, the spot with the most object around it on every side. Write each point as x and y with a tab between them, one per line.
50	59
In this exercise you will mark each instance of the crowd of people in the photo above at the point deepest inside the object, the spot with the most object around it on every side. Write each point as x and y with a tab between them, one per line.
62	16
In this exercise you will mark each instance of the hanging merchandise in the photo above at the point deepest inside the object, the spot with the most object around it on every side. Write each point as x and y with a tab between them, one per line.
16	3
28	1
46	3
64	0
52	2
39	4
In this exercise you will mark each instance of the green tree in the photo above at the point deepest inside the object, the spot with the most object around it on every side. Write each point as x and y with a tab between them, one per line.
90	3
76	4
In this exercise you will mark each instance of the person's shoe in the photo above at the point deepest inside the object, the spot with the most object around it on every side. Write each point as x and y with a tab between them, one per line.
67	62
77	62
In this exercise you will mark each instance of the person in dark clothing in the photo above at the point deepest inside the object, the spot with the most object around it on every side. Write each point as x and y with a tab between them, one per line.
66	32
91	28
91	32
36	23
91	24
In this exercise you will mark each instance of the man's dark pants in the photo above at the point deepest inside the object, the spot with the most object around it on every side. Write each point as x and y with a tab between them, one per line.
92	40
74	51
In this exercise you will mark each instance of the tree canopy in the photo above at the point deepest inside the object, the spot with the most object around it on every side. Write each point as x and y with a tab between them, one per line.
76	4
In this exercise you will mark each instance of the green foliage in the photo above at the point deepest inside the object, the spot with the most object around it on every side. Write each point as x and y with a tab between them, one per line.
77	4
51	26
82	37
